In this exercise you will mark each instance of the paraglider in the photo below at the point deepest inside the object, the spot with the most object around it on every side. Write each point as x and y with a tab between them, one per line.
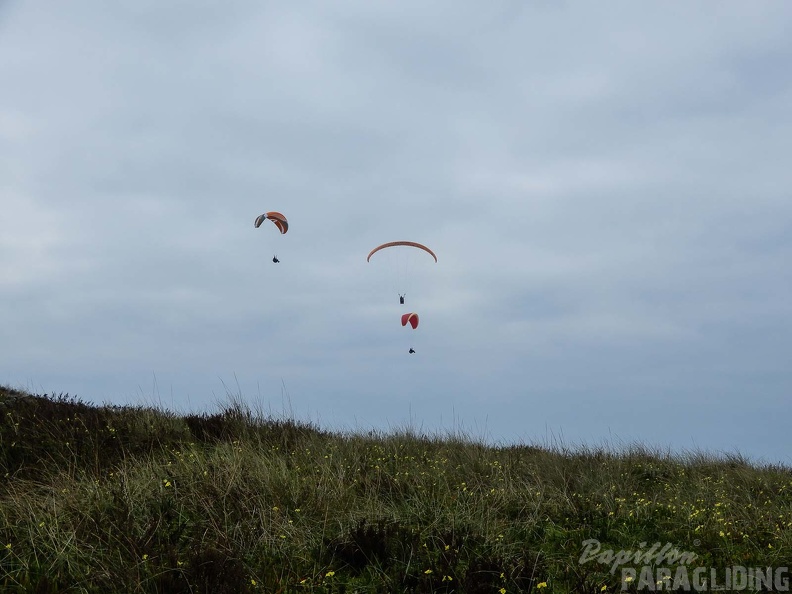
402	260
411	319
401	243
278	220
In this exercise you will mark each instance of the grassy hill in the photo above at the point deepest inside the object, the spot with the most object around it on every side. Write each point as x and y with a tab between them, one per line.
134	499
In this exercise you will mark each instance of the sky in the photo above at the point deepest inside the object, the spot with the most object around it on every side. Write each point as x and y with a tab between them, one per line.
606	186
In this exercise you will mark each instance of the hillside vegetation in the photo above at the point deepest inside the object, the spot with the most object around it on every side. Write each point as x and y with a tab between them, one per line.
135	499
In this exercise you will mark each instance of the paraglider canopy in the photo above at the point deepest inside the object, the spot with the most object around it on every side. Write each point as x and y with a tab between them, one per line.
277	218
410	318
403	243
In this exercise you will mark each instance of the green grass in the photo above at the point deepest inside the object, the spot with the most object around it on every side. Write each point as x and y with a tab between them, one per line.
135	499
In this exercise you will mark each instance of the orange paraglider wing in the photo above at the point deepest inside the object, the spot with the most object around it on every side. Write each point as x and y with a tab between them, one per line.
411	318
407	243
277	218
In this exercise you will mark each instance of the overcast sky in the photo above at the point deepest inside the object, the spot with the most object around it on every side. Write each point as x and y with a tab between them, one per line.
607	186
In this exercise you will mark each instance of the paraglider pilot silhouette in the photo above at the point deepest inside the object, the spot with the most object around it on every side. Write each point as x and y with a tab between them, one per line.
401	298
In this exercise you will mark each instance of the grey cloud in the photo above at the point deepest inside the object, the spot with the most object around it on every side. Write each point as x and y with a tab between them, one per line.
606	189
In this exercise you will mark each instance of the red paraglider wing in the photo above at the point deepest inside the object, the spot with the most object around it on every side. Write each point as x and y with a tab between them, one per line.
277	218
411	318
407	243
